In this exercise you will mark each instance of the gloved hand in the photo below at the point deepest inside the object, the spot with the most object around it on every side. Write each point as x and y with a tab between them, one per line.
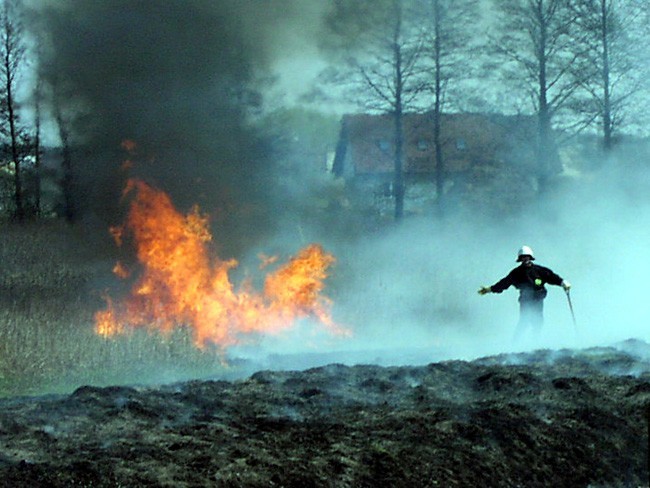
566	285
484	290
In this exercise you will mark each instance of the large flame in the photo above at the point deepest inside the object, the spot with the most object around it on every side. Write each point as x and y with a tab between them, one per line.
181	285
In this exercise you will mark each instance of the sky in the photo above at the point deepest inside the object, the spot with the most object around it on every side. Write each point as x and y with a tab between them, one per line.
159	73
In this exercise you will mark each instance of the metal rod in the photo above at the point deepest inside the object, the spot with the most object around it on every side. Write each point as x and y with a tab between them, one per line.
573	315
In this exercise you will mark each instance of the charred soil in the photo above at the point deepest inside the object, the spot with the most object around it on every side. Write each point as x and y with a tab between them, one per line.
566	418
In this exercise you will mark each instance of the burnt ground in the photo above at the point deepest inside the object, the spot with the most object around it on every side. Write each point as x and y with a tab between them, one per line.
568	418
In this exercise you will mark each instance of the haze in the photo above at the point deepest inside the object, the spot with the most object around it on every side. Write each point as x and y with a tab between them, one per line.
160	73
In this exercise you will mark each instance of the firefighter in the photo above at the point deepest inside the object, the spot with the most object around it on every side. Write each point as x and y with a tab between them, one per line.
529	279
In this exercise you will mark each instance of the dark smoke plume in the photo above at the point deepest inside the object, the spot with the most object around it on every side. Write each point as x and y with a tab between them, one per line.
177	77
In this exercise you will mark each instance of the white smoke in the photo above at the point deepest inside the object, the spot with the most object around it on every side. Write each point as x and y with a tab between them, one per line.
409	292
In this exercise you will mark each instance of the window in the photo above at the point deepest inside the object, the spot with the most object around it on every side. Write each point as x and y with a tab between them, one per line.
383	145
461	145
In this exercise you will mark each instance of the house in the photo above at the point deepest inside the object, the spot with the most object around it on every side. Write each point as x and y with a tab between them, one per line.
477	150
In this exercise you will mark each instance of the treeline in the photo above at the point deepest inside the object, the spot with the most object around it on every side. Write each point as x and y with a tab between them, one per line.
24	160
576	65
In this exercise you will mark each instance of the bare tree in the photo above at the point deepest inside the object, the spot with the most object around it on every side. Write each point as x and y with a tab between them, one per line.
12	53
37	145
37	153
614	33
70	204
380	44
55	95
448	36
537	42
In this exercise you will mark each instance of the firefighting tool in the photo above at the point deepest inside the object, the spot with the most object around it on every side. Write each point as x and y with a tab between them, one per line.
568	297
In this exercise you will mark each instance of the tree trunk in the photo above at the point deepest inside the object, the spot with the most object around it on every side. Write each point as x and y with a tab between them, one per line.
437	109
37	152
67	181
440	164
15	156
37	171
544	149
607	107
398	183
543	116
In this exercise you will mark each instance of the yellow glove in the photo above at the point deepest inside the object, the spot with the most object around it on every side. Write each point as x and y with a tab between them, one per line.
566	285
484	290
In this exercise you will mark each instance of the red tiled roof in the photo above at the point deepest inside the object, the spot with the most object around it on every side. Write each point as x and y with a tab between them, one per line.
467	140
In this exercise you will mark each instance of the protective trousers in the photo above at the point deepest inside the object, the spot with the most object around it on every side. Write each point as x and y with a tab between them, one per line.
531	316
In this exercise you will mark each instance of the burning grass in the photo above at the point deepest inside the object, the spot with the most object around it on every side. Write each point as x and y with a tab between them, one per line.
181	283
181	315
49	285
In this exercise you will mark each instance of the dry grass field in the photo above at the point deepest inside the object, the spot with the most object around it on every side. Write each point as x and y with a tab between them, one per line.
51	283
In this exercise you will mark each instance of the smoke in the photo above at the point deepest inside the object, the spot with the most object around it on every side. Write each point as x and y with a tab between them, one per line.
417	284
181	79
409	291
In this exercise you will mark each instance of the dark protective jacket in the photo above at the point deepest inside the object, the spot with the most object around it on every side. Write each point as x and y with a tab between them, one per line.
529	280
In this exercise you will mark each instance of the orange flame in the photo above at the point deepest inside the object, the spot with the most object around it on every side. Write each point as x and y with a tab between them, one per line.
180	285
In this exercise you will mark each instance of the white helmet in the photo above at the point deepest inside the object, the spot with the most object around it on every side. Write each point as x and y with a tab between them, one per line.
525	251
